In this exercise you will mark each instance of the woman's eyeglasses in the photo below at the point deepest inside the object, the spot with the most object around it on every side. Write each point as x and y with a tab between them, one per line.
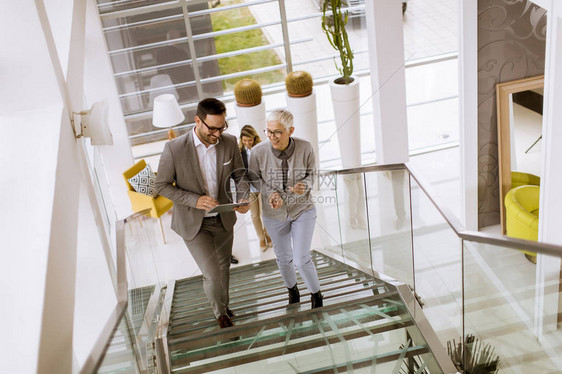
276	133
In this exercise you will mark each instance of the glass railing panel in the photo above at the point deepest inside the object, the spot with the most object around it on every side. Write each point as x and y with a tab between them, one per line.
437	266
327	230
353	220
510	308
120	356
143	239
389	224
146	279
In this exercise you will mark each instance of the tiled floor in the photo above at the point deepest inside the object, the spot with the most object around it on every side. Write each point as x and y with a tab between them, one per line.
430	28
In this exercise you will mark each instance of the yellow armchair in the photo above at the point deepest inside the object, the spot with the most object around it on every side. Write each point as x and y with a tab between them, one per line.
522	214
519	178
158	205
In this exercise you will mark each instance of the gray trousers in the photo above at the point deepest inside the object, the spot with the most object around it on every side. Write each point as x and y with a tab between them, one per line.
211	249
291	243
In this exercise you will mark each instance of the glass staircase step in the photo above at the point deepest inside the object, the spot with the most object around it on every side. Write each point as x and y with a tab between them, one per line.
266	308
195	310
305	331
364	322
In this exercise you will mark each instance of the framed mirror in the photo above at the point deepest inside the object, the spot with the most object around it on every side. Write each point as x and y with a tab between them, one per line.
519	114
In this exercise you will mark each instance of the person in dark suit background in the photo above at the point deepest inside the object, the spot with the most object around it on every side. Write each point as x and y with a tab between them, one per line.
194	172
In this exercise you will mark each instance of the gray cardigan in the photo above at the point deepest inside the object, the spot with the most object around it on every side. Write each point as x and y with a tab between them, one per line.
265	173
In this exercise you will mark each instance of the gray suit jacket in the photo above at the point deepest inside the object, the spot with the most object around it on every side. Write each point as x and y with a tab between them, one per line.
179	179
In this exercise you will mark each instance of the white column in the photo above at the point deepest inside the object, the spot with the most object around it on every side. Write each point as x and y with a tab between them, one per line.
305	119
550	219
252	115
40	189
468	111
386	54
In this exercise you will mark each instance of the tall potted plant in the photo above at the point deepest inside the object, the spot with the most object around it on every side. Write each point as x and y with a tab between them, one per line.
344	89
345	101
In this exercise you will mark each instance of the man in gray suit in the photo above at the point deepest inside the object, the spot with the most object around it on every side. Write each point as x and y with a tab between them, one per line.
194	172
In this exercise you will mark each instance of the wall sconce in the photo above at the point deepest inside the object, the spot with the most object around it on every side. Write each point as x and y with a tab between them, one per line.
93	124
167	113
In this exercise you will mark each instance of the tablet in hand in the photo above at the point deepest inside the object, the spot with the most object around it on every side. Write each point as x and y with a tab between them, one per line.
226	207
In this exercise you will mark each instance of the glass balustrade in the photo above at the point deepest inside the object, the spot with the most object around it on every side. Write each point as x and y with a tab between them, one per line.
147	281
327	231
353	220
437	264
390	240
120	356
511	308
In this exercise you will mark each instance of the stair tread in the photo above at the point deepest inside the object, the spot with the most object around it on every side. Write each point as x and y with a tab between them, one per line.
356	306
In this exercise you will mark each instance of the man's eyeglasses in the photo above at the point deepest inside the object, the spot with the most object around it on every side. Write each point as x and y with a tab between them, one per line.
215	129
276	133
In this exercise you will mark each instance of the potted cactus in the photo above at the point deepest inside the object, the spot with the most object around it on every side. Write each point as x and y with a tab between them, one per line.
299	84
250	109
301	101
247	92
344	89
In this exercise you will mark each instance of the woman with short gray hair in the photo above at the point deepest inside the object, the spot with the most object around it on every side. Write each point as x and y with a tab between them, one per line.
284	169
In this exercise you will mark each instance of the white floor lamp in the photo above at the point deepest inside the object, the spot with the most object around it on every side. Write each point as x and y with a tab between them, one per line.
167	113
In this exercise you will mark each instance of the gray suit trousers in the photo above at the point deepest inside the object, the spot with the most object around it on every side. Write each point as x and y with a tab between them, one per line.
211	249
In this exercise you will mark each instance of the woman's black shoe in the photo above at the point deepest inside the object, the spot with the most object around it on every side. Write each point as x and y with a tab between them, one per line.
294	295
316	300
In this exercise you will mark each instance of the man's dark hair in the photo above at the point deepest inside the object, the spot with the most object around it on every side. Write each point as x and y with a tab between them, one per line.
210	106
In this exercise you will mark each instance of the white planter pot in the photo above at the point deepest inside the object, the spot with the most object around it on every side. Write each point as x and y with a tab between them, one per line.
305	119
252	115
345	99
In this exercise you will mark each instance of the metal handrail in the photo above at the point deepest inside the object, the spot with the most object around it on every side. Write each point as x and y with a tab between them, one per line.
451	219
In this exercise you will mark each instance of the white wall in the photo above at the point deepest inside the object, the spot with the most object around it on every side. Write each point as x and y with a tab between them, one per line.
31	118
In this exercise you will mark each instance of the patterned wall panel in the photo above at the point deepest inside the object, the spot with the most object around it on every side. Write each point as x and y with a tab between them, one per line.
511	45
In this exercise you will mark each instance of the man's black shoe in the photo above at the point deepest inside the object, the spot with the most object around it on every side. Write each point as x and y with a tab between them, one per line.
233	260
224	321
230	313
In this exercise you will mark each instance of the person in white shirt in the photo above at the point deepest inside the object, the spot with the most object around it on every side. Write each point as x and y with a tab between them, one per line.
194	172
